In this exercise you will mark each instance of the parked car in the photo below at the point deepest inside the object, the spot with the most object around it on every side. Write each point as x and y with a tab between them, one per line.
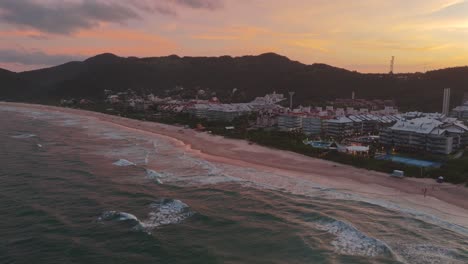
398	174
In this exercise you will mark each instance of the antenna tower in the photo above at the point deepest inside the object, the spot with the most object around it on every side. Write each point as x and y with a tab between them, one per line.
392	64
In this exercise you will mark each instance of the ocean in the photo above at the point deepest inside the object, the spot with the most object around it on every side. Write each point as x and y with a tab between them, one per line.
75	189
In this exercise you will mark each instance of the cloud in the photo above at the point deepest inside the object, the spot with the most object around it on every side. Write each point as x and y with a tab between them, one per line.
202	4
458	10
67	17
34	57
63	17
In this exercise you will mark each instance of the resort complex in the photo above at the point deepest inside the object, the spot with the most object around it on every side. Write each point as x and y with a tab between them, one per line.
372	131
431	133
348	122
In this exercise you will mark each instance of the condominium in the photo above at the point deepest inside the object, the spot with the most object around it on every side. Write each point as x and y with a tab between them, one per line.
439	136
312	125
289	122
339	128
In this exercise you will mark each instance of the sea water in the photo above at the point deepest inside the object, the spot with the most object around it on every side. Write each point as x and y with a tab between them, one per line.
75	189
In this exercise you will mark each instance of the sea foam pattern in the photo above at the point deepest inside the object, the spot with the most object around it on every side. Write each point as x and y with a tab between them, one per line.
166	212
350	241
163	212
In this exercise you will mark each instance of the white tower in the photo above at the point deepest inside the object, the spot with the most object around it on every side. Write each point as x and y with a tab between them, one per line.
446	102
291	94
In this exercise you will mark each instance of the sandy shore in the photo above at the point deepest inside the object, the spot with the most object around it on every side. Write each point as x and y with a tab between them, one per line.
447	201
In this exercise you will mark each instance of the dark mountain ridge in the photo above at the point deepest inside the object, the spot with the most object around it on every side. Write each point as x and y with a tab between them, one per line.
251	75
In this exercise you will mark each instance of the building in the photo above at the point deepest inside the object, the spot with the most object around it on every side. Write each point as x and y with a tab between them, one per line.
289	122
366	124
215	111
460	112
375	104
438	136
335	123
340	127
220	112
312	125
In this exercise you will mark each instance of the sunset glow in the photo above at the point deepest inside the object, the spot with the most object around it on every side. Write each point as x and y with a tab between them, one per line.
357	35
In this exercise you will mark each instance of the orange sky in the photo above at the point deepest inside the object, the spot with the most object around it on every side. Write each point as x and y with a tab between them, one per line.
357	35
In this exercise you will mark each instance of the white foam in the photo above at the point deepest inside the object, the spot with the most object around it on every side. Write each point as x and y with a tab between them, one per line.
146	158
124	163
117	216
70	122
153	175
351	241
166	212
21	136
428	253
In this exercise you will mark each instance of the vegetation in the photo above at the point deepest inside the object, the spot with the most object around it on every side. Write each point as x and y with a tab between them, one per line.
454	170
230	79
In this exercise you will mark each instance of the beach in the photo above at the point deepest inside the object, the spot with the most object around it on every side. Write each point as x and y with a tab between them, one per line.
445	201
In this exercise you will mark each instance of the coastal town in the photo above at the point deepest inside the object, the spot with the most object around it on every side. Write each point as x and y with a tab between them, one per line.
230	131
366	129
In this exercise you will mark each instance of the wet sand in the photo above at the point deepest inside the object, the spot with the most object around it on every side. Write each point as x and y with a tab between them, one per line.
446	201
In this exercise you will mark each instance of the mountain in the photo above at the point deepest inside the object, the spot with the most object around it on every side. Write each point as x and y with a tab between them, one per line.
251	75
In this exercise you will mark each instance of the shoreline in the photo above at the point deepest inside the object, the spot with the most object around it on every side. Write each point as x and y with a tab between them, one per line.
446	201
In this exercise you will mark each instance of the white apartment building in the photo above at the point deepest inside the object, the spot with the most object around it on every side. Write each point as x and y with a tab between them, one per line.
426	134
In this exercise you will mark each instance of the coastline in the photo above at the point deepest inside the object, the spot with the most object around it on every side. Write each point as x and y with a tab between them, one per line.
446	201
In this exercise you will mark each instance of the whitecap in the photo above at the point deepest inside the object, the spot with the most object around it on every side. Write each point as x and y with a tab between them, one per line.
124	163
117	216
166	212
350	241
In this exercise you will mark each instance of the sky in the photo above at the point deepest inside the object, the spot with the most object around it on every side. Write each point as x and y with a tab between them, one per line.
359	35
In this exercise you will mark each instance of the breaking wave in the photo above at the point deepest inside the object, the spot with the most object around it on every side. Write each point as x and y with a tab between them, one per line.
117	216
350	241
164	212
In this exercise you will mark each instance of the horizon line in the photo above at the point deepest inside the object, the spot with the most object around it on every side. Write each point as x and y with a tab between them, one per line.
234	57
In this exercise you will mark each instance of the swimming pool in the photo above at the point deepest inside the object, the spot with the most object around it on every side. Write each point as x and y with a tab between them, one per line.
320	144
410	161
